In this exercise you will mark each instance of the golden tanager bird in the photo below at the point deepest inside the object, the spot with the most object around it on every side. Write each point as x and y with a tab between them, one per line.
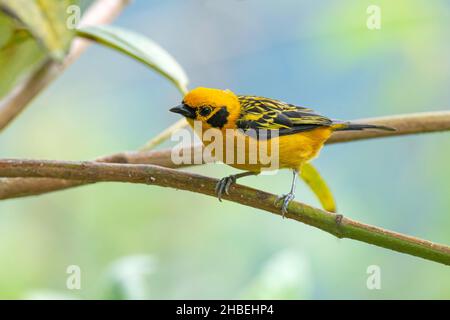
300	132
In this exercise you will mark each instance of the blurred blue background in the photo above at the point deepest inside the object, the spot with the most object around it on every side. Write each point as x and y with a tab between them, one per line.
184	245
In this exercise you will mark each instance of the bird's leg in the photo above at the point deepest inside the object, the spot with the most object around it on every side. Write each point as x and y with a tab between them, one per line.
224	184
286	198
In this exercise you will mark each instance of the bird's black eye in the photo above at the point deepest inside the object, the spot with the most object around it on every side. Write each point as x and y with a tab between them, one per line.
205	111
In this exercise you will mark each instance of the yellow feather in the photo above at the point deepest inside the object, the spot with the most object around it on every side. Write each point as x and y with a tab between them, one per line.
294	149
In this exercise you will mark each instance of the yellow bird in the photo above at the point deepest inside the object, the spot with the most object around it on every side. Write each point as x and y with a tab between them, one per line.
297	133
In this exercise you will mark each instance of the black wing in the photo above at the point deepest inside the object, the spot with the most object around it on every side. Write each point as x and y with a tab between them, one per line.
263	113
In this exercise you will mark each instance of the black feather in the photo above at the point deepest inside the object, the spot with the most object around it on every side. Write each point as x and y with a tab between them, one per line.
266	116
219	119
359	126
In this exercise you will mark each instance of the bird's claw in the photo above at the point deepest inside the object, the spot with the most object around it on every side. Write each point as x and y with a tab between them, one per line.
224	185
284	200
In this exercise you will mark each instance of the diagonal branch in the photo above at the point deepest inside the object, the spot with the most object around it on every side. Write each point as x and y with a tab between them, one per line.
405	124
102	11
154	175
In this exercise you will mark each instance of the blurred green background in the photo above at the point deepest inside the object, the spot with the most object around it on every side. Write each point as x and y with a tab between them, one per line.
135	241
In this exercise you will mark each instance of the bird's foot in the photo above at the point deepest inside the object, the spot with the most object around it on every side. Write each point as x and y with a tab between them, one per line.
224	185
284	201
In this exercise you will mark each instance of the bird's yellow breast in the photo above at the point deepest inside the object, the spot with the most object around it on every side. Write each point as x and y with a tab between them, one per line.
301	147
291	151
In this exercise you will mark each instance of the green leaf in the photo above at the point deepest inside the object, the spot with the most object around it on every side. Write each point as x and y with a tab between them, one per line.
318	185
46	20
141	49
19	53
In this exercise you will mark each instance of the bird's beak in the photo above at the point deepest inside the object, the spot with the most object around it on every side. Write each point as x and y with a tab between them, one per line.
184	110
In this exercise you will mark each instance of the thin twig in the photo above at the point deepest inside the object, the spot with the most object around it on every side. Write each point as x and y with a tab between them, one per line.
154	175
100	12
164	135
405	124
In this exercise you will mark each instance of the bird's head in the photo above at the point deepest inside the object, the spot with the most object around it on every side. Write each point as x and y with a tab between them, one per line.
213	107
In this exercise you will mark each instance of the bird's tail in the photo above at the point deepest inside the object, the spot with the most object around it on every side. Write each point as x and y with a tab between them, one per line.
347	126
